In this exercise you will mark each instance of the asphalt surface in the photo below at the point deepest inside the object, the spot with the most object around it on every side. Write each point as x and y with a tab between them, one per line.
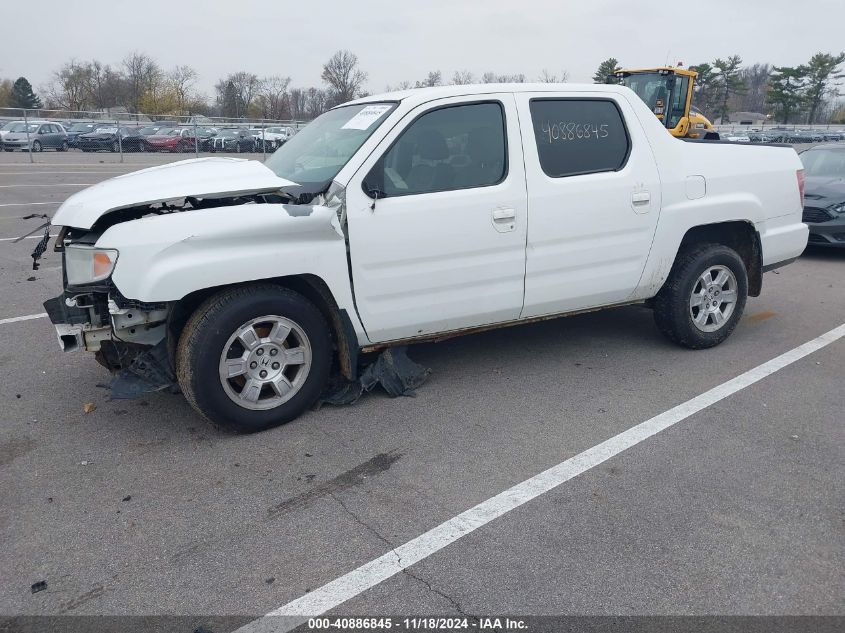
139	507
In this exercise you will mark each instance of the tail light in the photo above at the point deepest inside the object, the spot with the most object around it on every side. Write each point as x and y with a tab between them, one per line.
800	175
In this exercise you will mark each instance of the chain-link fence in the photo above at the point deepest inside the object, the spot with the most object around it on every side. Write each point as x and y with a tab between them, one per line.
122	134
770	132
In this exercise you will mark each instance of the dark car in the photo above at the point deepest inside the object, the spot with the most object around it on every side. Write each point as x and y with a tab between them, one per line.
110	138
179	139
76	129
824	194
233	140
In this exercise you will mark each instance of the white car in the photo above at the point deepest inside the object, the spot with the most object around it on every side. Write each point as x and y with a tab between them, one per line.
736	137
276	136
7	127
414	216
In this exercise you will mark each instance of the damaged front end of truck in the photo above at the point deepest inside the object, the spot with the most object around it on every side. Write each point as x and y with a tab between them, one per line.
127	336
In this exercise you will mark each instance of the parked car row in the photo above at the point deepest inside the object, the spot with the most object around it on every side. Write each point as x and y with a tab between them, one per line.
162	136
783	135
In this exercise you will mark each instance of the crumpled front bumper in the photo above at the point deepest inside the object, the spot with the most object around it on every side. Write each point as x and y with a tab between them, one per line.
84	320
70	322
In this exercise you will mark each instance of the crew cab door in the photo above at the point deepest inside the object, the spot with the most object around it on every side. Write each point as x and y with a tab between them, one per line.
594	200
442	248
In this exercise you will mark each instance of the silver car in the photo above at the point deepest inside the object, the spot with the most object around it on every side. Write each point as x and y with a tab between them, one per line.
41	135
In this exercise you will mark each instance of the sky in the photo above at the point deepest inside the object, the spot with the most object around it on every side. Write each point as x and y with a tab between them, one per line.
398	40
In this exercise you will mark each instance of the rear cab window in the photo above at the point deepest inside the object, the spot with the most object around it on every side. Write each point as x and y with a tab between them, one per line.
576	135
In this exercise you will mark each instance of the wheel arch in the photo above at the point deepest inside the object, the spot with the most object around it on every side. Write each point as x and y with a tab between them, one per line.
741	236
312	287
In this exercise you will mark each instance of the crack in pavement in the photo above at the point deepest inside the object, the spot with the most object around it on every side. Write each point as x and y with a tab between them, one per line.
405	570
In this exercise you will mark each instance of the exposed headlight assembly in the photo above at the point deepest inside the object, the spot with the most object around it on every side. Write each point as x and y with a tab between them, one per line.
86	264
838	208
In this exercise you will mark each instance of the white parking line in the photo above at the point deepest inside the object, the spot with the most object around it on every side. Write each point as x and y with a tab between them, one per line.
63	184
28	237
28	317
338	591
51	173
25	204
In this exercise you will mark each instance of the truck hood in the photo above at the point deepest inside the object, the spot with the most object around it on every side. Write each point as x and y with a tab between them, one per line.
197	177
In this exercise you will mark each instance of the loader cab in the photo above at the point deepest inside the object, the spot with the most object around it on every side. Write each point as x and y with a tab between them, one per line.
668	94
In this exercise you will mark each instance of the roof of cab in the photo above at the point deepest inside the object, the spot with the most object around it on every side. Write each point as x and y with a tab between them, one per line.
421	95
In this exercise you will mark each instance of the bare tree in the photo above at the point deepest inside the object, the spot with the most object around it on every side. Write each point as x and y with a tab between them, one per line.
143	76
402	85
343	77
69	88
549	78
462	78
315	102
297	103
181	81
493	78
434	78
274	92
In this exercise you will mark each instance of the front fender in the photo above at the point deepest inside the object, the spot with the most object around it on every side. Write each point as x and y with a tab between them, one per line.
166	257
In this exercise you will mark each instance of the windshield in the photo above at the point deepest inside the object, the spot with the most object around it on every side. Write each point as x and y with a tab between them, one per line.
8	126
314	156
81	127
106	130
662	93
22	127
826	163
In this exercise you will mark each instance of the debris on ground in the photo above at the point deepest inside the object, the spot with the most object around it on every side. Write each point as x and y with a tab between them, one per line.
148	372
41	585
35	215
88	407
84	463
127	498
397	374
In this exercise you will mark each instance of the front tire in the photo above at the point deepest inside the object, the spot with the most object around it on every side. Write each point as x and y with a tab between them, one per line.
704	297
254	357
36	146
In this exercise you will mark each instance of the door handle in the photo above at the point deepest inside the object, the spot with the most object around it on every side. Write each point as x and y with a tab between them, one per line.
504	219
641	198
504	214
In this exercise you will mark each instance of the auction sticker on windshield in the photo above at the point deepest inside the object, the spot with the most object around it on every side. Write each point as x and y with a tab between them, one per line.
366	117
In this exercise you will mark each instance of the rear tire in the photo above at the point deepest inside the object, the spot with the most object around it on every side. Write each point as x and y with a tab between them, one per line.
210	342
704	296
62	147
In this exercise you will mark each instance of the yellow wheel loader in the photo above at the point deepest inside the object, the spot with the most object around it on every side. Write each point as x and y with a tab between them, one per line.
667	91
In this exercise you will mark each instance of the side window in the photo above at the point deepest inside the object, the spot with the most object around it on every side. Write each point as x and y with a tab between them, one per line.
456	147
579	136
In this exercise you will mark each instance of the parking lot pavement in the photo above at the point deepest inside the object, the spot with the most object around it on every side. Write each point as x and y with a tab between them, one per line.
140	507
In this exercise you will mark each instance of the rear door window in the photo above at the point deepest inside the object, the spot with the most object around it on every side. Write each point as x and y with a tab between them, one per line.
579	136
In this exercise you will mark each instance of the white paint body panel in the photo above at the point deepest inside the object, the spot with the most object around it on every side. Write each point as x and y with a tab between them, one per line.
587	239
195	177
434	263
437	262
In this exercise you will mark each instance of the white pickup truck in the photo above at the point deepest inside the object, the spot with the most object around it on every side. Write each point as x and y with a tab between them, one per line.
412	216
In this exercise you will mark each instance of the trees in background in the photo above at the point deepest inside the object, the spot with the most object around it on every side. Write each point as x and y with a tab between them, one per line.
605	69
22	95
343	78
807	92
729	82
821	71
786	91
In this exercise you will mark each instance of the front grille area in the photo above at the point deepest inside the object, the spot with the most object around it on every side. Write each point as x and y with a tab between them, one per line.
815	215
818	239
